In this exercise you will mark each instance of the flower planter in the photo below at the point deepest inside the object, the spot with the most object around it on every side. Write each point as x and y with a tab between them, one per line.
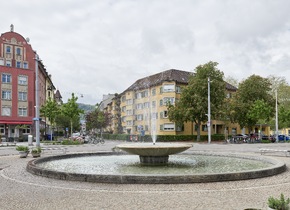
35	155
23	154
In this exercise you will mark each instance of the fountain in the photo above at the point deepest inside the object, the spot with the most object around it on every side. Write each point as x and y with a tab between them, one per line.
154	166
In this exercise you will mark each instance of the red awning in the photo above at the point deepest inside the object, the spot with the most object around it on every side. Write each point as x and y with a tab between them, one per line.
16	122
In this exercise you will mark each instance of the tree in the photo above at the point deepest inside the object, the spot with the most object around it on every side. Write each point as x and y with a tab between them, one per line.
71	111
251	90
193	103
260	112
97	119
50	110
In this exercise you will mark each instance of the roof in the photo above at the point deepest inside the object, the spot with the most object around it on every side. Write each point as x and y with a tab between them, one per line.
178	76
156	79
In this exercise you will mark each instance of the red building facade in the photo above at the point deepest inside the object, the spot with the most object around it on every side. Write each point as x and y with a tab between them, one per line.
17	85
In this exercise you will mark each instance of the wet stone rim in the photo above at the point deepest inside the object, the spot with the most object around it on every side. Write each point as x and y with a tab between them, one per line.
276	168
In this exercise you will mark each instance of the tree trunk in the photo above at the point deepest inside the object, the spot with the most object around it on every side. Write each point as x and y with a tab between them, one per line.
71	128
198	130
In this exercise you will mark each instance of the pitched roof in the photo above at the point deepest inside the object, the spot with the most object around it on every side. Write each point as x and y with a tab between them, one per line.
156	79
179	76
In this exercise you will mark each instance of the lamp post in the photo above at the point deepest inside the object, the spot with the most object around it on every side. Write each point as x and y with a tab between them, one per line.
277	116
208	113
36	102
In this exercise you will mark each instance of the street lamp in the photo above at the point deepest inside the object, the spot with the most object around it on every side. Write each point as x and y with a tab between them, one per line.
208	113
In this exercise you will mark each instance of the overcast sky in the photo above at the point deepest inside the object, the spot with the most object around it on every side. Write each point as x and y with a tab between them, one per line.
96	47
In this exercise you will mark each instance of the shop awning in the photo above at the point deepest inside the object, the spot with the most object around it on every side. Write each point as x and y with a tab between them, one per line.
16	122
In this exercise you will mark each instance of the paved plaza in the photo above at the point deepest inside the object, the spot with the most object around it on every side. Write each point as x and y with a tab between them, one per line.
22	190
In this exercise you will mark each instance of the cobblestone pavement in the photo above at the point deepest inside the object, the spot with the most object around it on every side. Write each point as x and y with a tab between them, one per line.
22	190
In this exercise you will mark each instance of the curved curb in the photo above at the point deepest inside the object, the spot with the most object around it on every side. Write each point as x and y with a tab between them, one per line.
276	168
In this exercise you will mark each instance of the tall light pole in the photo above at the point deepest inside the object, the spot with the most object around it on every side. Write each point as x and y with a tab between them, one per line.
277	116
208	113
36	102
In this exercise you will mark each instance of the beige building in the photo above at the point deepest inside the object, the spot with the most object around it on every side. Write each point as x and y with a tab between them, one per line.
142	106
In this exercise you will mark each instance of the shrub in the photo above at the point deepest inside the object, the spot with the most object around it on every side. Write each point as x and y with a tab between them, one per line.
70	142
279	204
36	150
22	148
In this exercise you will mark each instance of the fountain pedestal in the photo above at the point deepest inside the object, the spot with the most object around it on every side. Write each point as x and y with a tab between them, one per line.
153	160
154	154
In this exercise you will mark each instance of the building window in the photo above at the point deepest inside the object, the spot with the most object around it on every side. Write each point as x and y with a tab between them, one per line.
26	130
18	51
123	108
129	102
1	62
123	98
140	117
145	94
22	96
6	94
167	100
129	112
2	129
6	78
22	80
168	127
139	106
169	88
153	92
153	104
129	123
229	95
18	64
204	127
25	65
146	105
180	128
8	49
138	95
22	111
178	89
6	111
8	63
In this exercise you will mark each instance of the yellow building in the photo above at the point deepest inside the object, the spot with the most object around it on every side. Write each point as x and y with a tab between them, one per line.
144	104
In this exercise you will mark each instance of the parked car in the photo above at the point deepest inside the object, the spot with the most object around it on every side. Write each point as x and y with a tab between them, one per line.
283	137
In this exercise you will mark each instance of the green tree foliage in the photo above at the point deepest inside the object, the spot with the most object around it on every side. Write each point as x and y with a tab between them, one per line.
50	110
193	103
97	119
251	90
71	111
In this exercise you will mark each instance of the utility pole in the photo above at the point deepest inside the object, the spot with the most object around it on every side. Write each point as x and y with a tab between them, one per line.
208	113
36	102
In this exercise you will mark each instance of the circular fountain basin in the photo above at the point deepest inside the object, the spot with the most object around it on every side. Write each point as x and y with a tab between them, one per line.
154	154
126	169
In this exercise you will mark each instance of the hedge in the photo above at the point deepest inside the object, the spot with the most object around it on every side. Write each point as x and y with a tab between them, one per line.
165	138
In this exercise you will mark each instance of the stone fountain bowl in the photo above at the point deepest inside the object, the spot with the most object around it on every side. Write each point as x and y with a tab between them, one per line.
158	149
